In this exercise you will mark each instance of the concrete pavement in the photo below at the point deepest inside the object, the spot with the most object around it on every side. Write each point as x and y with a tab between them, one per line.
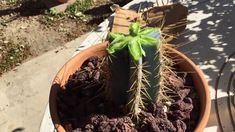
24	91
211	46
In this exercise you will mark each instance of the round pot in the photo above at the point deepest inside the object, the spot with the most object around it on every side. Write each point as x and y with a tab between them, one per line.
63	1
69	2
100	50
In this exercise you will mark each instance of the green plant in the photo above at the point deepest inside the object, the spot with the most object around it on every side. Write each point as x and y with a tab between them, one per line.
53	11
12	54
79	6
10	1
146	70
75	11
134	41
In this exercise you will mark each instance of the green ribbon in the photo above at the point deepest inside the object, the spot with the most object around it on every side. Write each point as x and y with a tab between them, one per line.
136	38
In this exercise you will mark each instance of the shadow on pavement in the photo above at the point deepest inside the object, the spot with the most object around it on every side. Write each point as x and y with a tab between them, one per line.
210	38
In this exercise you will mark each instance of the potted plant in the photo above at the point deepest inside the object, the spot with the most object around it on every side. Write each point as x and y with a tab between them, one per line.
134	82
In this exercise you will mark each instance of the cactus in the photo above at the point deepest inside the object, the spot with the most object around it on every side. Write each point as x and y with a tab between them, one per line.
141	55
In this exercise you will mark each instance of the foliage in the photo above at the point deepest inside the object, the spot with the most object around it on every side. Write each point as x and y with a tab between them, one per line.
135	40
74	11
79	6
12	54
9	1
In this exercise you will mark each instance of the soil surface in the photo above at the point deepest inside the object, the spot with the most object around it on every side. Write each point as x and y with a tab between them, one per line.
30	24
83	106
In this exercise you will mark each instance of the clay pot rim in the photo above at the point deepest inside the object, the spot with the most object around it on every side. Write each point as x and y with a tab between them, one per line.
204	113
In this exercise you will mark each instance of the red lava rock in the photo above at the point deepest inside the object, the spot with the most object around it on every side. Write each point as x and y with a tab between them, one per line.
97	75
180	126
157	111
183	106
103	123
77	130
150	123
89	128
183	93
91	65
80	110
177	82
166	126
68	127
181	110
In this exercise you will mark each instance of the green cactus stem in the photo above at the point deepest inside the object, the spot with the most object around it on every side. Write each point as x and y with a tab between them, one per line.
141	70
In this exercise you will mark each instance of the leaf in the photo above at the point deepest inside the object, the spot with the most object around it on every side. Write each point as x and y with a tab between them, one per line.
135	49
113	36
110	50
148	41
118	39
147	31
142	50
156	34
118	44
134	29
136	39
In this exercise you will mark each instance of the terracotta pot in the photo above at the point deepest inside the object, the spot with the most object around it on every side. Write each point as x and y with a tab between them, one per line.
99	50
63	1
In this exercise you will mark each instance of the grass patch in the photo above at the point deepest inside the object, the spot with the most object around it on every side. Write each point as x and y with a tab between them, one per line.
79	6
75	11
9	1
12	55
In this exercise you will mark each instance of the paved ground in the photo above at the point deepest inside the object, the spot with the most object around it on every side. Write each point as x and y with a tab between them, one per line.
24	91
212	46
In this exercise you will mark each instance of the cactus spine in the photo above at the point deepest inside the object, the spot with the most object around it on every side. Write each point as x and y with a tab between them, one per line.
146	67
